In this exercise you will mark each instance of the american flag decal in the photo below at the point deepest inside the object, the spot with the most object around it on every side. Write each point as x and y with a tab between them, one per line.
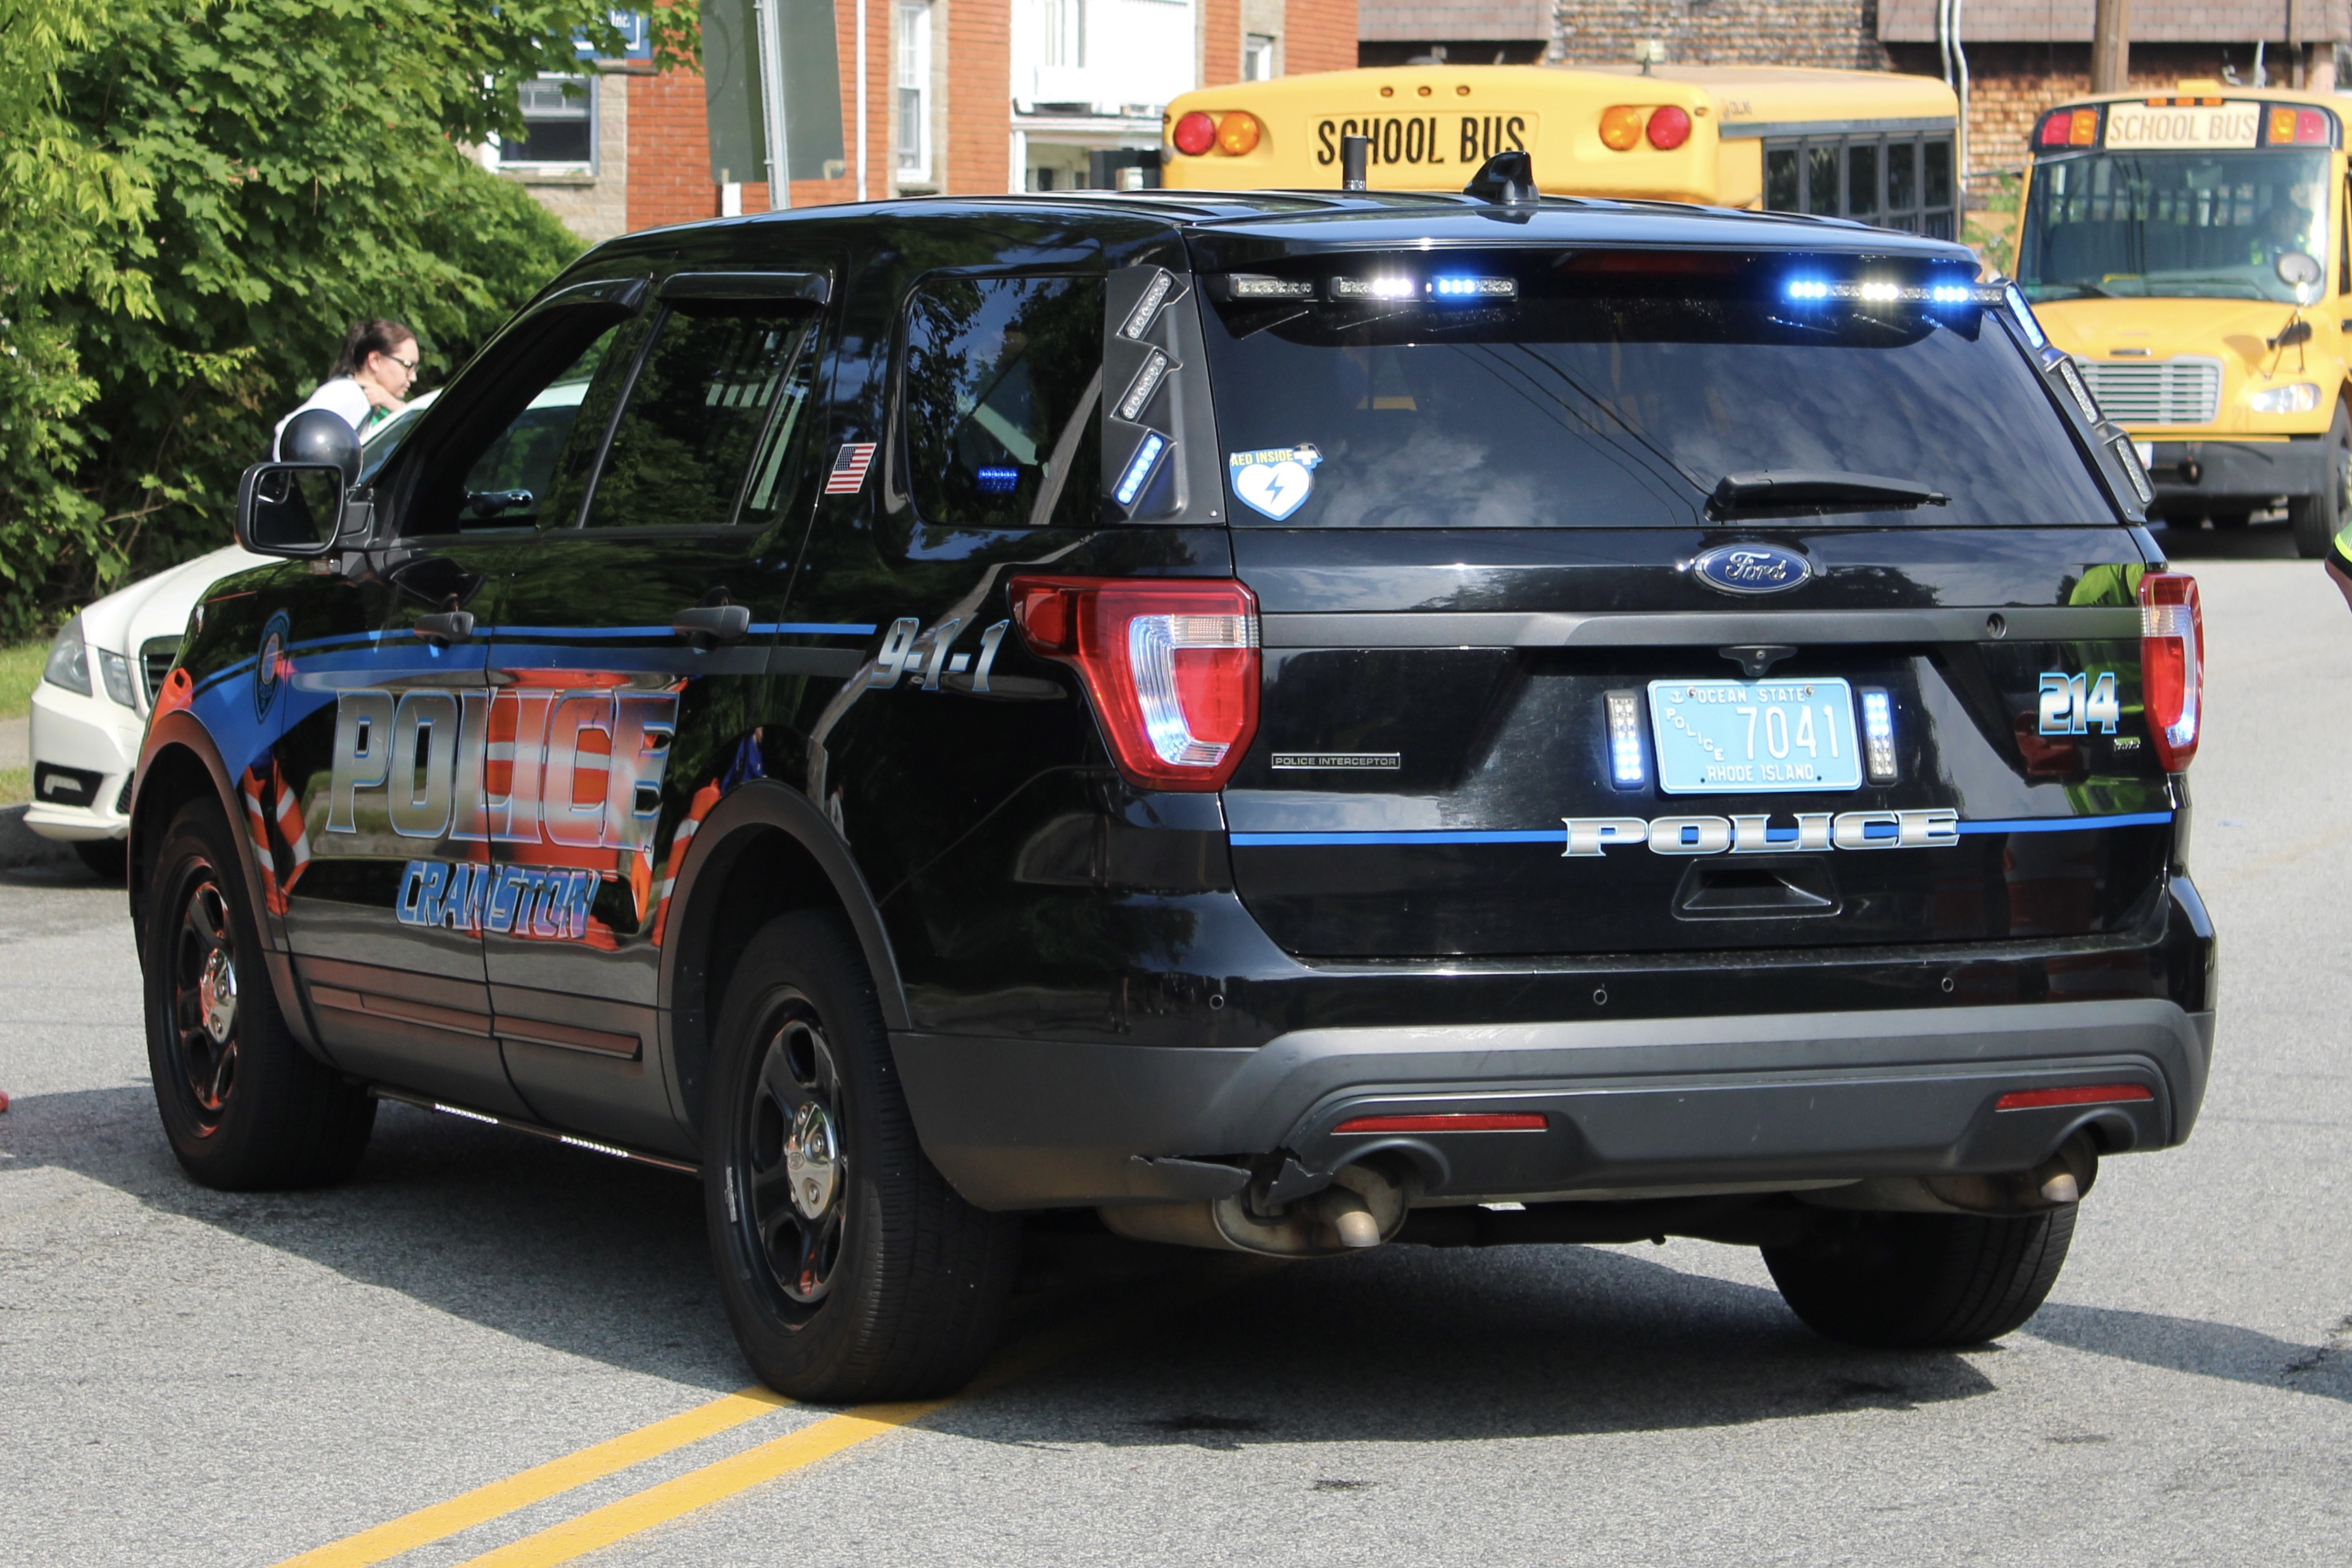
849	466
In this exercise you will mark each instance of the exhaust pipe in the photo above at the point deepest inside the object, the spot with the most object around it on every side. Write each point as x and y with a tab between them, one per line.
2062	1180
1363	1207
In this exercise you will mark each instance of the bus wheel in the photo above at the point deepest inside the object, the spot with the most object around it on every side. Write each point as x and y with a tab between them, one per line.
2317	519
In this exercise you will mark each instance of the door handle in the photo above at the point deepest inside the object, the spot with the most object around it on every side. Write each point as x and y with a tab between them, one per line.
708	625
445	627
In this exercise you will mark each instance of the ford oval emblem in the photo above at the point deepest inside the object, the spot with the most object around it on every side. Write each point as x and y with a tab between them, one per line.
1752	569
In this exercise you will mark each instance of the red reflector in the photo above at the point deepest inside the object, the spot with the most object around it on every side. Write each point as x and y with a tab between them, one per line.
1669	127
1449	1122
2311	125
2053	129
1172	663
2172	665
2088	1095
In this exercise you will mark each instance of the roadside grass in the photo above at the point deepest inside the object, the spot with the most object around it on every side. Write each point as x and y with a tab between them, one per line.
16	786
20	672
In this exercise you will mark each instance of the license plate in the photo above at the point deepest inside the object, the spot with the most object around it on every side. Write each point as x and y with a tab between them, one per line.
1754	736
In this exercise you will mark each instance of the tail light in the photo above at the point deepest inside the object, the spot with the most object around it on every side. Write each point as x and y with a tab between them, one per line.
1237	133
1669	127
2172	664
1621	127
1194	134
1171	664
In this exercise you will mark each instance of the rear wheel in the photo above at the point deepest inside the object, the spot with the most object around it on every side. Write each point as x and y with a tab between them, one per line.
245	1107
849	1268
2317	519
1922	1280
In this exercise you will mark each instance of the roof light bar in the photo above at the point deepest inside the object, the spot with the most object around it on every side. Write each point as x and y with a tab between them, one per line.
1372	289
1246	285
1878	291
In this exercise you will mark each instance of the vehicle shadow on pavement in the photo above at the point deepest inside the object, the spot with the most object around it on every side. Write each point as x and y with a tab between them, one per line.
581	1254
2207	1349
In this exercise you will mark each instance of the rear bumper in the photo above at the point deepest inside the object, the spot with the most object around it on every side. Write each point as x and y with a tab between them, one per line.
1630	1105
2250	472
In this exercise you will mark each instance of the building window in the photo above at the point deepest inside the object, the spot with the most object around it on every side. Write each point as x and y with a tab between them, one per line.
1258	57
1063	23
912	77
1896	181
559	119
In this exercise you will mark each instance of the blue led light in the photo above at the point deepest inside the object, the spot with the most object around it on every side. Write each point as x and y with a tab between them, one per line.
1951	294
998	480
1140	466
1456	286
1877	715
1807	288
1628	762
1878	734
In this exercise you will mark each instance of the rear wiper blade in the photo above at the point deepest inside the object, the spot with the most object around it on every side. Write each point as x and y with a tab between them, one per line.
1796	490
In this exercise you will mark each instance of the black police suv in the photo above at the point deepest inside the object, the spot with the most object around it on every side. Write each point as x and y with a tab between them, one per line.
1298	721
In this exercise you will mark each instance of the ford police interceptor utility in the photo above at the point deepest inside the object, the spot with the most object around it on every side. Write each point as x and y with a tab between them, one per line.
1298	721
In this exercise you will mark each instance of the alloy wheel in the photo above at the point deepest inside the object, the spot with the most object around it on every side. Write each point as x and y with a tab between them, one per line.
794	1166
204	999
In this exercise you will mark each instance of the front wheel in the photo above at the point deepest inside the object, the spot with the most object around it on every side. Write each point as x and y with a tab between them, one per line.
245	1107
2316	520
1920	1282
848	1267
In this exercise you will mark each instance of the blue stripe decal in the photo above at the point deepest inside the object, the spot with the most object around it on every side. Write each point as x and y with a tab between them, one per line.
2067	825
817	629
765	629
1557	835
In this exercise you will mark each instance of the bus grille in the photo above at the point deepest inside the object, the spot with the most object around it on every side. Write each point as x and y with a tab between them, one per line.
2186	390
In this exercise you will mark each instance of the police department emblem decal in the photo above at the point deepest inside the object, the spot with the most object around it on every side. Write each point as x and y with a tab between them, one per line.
268	665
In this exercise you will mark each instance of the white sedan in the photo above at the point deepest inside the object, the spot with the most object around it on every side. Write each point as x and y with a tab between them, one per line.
89	710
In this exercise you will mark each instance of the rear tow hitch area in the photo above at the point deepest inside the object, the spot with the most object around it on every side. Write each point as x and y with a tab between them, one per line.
1364	1206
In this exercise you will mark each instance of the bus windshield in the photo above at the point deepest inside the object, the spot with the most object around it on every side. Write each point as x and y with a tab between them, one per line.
2192	225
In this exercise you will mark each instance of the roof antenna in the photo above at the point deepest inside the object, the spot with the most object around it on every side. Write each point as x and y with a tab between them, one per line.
1507	180
1353	151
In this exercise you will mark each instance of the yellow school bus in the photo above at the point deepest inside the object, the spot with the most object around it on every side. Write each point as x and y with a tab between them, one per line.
1868	145
2189	250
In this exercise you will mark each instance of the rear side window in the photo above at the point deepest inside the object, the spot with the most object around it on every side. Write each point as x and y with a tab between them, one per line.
714	422
1544	390
998	386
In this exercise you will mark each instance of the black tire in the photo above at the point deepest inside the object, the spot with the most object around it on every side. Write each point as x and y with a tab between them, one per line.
108	859
857	1274
2316	520
245	1107
1920	1281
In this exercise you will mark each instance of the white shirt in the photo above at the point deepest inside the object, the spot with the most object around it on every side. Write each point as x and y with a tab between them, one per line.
343	395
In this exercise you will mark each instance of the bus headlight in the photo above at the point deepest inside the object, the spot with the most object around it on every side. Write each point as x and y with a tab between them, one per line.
2296	397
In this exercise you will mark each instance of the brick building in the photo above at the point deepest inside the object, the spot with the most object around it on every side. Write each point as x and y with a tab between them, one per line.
958	97
2021	55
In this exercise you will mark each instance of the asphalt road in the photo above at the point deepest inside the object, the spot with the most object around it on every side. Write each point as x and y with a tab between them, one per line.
191	1377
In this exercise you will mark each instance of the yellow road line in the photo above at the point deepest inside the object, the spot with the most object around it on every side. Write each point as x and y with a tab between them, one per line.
641	1511
716	1482
411	1530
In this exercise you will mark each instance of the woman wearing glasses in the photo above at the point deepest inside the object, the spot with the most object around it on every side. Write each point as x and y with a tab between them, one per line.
372	377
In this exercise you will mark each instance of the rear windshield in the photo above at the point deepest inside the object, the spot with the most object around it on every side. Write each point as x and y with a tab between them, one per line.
1561	390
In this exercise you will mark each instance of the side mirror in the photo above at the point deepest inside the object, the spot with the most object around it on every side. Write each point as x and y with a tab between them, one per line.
293	510
2301	271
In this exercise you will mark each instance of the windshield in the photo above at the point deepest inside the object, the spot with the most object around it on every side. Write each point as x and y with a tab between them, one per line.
1619	390
2187	225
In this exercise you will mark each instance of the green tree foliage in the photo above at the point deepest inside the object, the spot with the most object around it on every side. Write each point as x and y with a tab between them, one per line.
228	185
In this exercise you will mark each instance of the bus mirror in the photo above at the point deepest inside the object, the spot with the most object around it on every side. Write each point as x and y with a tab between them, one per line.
2301	272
